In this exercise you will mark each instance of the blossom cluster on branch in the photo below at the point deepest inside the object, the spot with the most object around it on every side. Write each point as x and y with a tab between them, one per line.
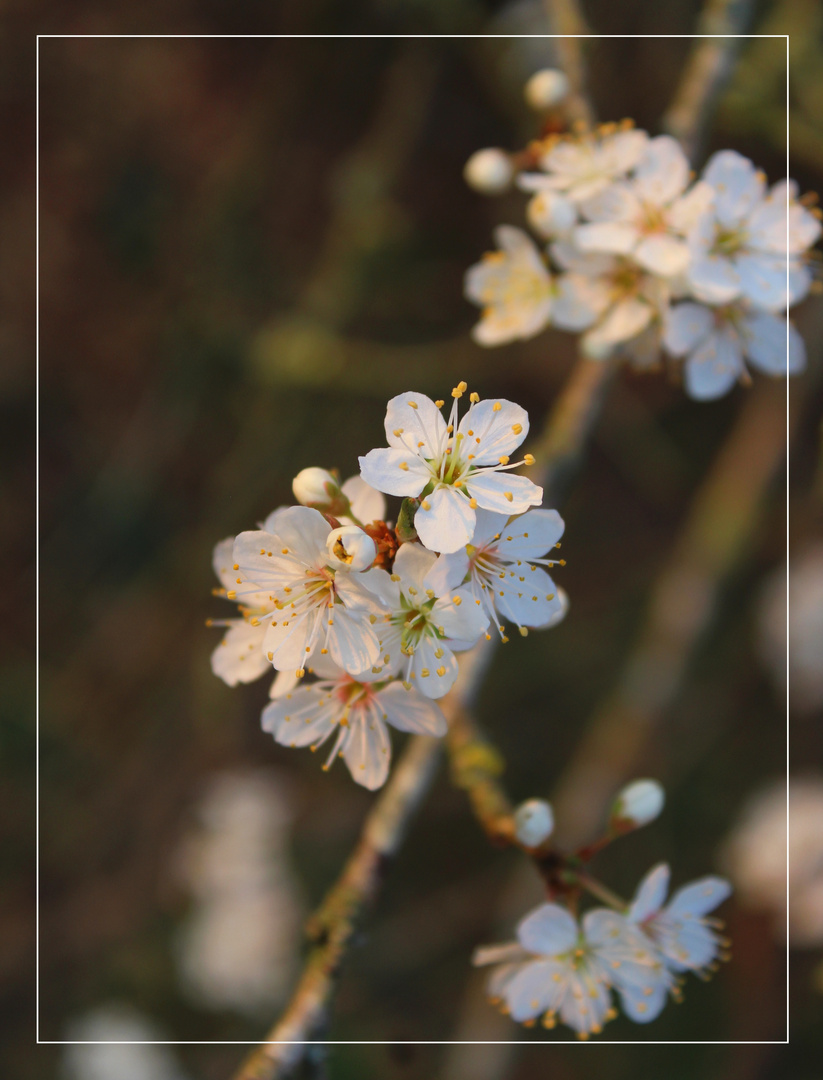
373	613
645	259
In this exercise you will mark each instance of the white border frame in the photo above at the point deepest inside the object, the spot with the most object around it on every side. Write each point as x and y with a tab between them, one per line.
376	1042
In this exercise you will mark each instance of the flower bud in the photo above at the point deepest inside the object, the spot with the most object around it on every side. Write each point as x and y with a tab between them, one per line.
315	487
545	88
637	804
533	822
349	546
489	171
551	215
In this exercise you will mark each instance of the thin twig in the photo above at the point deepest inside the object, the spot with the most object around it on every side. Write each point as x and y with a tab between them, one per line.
566	18
707	70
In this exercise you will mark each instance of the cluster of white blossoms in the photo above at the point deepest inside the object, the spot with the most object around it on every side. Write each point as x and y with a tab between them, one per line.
373	613
644	257
577	970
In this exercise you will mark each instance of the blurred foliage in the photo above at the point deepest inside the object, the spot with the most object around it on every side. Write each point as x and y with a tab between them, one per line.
246	247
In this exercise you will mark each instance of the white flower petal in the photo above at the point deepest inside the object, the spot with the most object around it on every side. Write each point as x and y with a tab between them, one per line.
367	504
611	237
585	1005
700	897
626	319
686	211
290	638
643	1004
579	301
222	562
493	429
527	602
662	254
534	990
239	658
380	585
531	535
651	894
738	186
302	719
407	710
395	471
687	943
434	675
618	202
765	338
663	172
624	149
713	279
762	280
686	325
449	572
491	489
367	750
262	566
509	953
459	617
800	282
284	682
444	520
549	930
420	425
551	214
270	524
488	526
412	563
589	263
304	531
713	368
351	640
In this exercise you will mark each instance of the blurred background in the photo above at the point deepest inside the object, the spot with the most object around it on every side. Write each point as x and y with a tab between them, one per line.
247	247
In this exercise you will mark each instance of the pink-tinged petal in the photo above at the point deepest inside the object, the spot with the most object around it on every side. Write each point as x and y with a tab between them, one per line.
766	340
588	263
616	238
686	325
351	640
449	572
412	563
762	280
699	898
501	325
444	520
624	150
737	184
522	596
662	254
493	429
459	617
270	524
534	990
503	492
650	895
663	172
239	658
303	531
367	504
684	214
407	710
579	301
420	424
625	320
433	675
713	279
396	472
549	930
284	682
367	750
713	368
617	203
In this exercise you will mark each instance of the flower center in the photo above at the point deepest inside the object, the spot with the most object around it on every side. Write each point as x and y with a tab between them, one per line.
728	241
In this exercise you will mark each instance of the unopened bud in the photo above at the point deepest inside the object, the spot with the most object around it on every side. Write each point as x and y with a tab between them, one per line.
489	171
315	487
533	822
551	214
637	804
351	547
545	88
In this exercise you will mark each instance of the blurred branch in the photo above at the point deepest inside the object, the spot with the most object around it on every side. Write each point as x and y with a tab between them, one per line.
475	764
566	18
707	70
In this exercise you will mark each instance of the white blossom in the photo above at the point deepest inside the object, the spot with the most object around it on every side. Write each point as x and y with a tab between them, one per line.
686	940
350	548
315	487
356	712
583	165
239	658
744	245
533	822
424	629
546	88
558	968
639	803
453	468
489	171
513	287
503	567
717	341
648	215
551	214
315	603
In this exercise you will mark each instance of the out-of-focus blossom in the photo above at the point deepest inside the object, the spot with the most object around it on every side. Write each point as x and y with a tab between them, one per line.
239	945
755	855
513	286
545	89
489	171
639	803
533	822
134	1059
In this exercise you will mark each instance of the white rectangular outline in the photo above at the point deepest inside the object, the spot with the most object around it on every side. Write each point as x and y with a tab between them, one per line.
365	1042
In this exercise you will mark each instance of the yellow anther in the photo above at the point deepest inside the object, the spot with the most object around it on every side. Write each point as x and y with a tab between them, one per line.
424	673
239	581
324	652
529	459
426	504
503	460
473	503
412	404
398	432
508	495
440	403
517	428
236	566
524	631
457	601
496	407
270	656
231	595
474	397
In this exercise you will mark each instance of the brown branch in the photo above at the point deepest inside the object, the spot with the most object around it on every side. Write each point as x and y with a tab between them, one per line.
706	72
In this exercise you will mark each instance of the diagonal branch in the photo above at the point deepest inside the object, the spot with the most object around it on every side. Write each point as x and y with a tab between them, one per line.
707	70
